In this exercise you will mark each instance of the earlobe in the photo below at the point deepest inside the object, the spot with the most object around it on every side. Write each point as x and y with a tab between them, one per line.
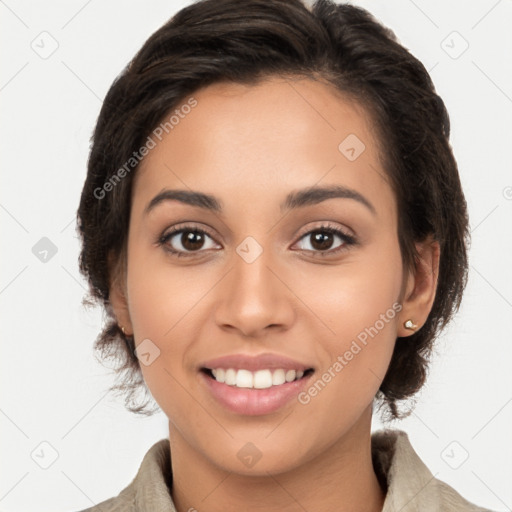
421	288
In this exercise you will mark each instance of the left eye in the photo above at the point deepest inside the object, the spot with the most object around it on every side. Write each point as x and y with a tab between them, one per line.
322	240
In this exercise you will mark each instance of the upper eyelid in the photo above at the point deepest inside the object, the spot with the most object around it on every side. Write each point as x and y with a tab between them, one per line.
328	225
183	226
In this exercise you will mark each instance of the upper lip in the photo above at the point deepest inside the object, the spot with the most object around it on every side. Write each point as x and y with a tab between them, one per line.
255	363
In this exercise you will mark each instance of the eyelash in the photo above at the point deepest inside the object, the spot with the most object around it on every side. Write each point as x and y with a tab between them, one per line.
348	240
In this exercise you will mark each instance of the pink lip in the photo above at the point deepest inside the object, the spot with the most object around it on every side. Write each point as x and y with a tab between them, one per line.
253	402
255	363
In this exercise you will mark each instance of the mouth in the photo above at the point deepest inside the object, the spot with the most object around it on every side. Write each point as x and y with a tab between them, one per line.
254	393
260	379
250	385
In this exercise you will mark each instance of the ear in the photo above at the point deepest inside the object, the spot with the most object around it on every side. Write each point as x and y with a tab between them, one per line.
420	287
117	293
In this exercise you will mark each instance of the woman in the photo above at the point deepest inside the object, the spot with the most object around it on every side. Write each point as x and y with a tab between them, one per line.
274	223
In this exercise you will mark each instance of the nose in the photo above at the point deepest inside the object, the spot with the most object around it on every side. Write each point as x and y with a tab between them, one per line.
255	296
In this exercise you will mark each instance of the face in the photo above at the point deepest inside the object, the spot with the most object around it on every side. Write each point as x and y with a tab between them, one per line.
290	295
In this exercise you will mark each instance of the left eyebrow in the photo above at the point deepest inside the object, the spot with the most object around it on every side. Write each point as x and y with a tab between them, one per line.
296	199
315	195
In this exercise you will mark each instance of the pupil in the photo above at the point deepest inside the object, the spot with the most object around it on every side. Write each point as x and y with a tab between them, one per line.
322	240
192	240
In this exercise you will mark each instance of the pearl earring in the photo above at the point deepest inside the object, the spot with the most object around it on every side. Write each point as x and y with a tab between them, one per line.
408	324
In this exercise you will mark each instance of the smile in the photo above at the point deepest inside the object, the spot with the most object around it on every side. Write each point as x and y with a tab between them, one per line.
260	379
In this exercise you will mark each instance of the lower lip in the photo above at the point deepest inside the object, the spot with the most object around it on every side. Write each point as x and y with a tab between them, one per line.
253	402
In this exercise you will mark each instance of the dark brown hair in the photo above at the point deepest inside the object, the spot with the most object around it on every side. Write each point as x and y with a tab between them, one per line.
243	42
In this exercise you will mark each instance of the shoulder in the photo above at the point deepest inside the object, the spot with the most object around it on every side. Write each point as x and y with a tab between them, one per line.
411	486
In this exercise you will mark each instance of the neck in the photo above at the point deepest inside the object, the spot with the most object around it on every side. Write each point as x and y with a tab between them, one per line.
341	478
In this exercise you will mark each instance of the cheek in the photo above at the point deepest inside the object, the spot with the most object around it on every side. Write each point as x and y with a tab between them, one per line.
356	357
162	297
359	304
355	296
166	306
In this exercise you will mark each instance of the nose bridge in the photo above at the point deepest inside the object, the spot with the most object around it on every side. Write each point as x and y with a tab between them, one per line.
251	269
253	297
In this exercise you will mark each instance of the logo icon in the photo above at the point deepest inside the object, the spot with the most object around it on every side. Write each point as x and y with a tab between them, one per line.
249	250
45	45
44	455
44	250
455	455
147	352
454	45
351	147
249	454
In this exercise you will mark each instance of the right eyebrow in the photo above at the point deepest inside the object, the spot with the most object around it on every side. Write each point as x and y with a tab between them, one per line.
192	198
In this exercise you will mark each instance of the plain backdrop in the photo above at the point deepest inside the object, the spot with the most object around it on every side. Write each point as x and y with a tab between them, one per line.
66	443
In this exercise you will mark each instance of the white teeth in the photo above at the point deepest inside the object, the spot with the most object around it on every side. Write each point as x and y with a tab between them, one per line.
244	379
260	379
290	375
278	378
230	377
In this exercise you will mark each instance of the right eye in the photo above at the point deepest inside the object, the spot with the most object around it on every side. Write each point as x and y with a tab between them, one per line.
184	241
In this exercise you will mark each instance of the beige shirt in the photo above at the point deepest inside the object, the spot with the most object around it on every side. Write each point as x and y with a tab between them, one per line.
411	487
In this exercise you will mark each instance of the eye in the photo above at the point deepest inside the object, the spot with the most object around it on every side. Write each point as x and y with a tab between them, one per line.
186	240
321	240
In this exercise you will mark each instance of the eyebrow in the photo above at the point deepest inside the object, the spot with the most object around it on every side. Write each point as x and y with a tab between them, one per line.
296	199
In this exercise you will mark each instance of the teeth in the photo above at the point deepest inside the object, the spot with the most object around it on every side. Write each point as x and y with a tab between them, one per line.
260	379
230	377
278	377
244	379
290	375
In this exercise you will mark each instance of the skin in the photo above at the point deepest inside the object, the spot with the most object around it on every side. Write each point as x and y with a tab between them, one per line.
250	146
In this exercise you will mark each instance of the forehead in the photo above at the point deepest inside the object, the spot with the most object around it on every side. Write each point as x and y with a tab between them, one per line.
278	134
